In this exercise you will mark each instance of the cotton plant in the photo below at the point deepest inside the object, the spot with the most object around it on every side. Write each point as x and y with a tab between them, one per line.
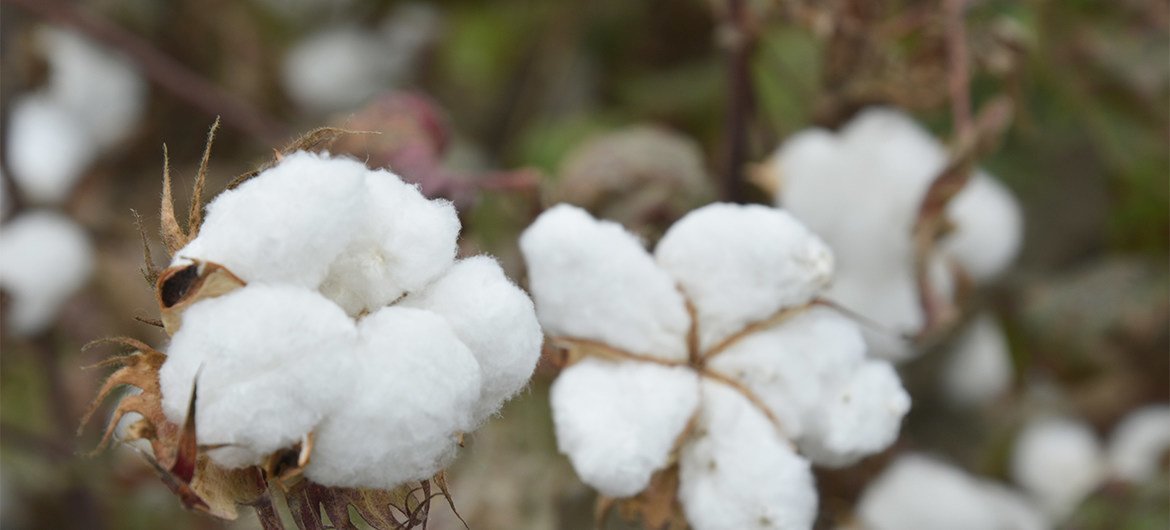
708	371
861	189
917	491
325	339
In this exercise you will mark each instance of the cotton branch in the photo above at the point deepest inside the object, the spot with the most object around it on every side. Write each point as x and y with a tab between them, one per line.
739	39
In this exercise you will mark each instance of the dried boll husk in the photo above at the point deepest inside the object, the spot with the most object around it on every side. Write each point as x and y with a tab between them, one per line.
181	286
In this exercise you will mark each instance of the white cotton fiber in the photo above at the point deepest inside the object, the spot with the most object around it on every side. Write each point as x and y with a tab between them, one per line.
920	492
861	189
1139	444
48	148
792	365
741	264
286	225
1059	461
990	227
738	473
404	241
102	90
861	415
617	422
409	395
593	280
980	365
270	362
496	321
44	258
336	69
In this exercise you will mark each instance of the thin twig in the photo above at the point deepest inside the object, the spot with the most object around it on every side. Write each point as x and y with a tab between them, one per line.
740	42
160	68
958	71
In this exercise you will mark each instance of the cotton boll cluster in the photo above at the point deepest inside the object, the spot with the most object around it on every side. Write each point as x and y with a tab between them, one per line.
340	68
980	366
1058	461
920	492
1139	445
92	101
44	258
718	329
861	188
351	321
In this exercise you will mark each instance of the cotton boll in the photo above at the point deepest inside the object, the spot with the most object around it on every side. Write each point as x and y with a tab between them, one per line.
1139	444
593	280
737	473
1059	462
48	148
44	258
859	416
989	227
409	395
102	90
287	224
980	366
336	69
618	422
404	242
496	321
791	365
920	492
269	362
741	264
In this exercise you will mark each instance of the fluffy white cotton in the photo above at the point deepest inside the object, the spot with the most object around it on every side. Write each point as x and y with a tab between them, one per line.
48	148
980	365
990	227
741	264
738	473
44	258
335	69
1139	444
920	492
496	321
1058	461
859	416
791	366
410	395
270	363
860	190
404	241
617	422
593	280
103	90
287	224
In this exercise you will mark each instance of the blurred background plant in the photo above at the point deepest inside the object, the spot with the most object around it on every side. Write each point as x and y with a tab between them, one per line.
638	111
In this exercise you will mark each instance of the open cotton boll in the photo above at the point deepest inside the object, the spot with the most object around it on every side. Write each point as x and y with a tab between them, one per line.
48	148
335	69
404	241
790	366
44	258
990	227
287	224
1139	444
861	415
617	422
593	280
270	364
103	90
496	321
738	473
1059	462
410	394
741	264
920	492
980	366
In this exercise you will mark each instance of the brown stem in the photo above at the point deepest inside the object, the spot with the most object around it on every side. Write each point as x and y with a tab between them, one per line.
266	512
165	71
740	42
959	72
